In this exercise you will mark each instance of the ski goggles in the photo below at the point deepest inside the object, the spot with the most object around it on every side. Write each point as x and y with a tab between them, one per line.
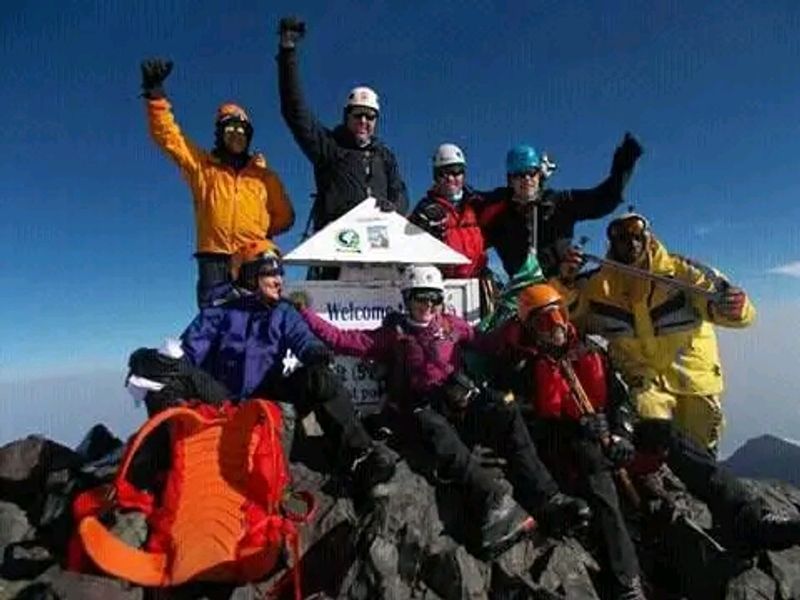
428	296
359	114
270	270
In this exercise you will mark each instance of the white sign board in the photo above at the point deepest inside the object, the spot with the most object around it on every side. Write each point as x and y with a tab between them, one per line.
365	235
363	305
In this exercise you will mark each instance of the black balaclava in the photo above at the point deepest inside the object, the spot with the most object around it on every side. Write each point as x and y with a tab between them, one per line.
237	161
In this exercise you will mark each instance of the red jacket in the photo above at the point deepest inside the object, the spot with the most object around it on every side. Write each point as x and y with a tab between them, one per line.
461	232
549	391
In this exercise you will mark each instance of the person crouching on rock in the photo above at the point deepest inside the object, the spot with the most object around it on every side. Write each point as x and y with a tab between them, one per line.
243	344
447	413
583	445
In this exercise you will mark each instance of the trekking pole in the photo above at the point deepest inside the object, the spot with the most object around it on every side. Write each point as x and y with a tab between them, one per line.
643	274
586	407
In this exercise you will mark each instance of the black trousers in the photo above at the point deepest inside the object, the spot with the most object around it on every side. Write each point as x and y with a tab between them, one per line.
580	464
318	388
696	467
491	423
213	270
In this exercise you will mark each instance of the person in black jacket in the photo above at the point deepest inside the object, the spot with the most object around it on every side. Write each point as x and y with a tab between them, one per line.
509	213
350	162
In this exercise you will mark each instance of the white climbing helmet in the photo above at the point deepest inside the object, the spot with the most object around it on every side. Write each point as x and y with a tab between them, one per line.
363	96
422	277
448	154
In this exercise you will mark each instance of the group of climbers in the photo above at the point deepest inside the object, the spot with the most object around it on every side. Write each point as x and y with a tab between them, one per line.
573	421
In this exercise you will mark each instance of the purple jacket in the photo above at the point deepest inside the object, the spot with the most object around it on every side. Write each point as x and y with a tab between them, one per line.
420	359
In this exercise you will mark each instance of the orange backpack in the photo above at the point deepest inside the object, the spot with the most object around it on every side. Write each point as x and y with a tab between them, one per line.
220	516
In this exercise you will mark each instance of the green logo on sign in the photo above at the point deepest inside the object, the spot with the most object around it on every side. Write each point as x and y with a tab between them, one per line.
348	240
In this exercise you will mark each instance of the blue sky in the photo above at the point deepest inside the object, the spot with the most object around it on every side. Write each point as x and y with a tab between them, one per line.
98	230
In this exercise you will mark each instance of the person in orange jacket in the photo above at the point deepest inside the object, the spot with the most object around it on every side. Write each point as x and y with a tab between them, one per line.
238	199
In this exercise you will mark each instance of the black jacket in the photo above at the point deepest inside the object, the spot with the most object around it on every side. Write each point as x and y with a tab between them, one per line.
344	173
506	225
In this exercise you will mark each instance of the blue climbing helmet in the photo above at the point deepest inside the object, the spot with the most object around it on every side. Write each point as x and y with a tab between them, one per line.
522	158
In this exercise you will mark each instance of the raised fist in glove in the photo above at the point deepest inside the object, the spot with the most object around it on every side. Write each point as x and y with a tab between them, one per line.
300	299
731	304
626	155
154	72
384	204
620	450
571	263
291	30
595	427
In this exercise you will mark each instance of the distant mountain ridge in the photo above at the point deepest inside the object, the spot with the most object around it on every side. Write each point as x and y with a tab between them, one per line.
767	457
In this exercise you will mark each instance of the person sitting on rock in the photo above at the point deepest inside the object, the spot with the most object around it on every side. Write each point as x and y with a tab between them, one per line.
661	339
237	198
243	344
552	367
446	412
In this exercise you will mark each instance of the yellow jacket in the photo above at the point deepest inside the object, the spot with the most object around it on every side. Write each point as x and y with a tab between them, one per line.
656	334
231	209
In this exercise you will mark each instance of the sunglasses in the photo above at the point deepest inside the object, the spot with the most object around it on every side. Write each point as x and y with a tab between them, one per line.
369	116
449	173
270	271
434	298
625	230
235	129
526	174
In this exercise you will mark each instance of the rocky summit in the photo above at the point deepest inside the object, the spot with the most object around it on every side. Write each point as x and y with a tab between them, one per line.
409	539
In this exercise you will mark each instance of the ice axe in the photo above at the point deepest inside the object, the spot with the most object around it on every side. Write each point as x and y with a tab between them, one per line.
710	295
585	407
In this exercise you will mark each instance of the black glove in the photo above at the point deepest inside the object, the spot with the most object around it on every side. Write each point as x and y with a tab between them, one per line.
626	155
317	355
385	205
433	219
620	451
291	30
595	426
154	72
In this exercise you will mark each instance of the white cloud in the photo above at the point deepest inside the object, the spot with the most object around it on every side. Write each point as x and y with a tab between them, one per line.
791	269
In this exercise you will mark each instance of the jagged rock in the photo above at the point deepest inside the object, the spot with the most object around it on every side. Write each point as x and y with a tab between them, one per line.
14	526
785	569
408	540
753	584
59	584
24	468
97	443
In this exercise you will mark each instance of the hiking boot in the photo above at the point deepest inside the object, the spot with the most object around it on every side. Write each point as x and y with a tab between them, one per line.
761	529
504	524
562	514
630	591
374	466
